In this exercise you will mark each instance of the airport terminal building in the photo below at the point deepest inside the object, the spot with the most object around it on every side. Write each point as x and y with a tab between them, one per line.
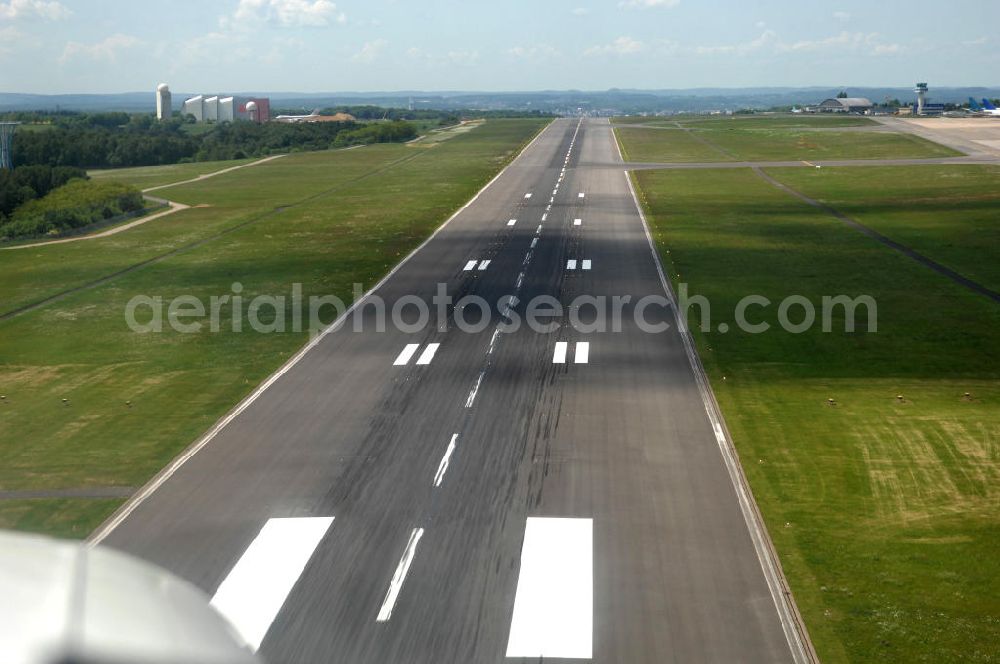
227	109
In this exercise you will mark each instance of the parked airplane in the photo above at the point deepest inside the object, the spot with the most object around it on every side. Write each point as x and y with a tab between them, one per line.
986	109
298	118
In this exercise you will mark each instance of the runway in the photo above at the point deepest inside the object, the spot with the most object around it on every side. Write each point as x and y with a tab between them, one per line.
489	496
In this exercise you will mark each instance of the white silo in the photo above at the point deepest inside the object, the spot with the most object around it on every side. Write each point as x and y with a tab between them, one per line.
211	109
252	111
163	102
195	106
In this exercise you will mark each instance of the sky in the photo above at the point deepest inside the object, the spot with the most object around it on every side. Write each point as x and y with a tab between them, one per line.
89	46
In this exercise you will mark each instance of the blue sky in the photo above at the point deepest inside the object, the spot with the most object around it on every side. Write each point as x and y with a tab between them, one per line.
60	46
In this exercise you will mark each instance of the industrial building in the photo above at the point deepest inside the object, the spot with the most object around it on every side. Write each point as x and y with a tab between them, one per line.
164	108
217	108
845	105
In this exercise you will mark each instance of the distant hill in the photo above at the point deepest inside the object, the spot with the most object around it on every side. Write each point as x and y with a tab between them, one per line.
616	100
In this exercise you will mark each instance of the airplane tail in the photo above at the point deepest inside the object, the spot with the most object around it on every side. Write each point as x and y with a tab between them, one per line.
974	105
987	105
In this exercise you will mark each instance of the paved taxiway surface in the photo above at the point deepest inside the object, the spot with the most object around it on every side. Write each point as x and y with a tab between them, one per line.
386	499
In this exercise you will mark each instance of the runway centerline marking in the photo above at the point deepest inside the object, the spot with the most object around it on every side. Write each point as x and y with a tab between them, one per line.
428	354
443	466
582	354
534	241
559	354
545	216
255	589
554	602
406	354
475	390
402	568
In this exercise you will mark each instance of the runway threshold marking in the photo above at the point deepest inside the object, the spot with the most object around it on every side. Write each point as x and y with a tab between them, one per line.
428	354
256	588
443	465
554	601
396	584
405	355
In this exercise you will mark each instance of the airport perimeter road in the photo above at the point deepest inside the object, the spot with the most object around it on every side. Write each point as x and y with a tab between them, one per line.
499	496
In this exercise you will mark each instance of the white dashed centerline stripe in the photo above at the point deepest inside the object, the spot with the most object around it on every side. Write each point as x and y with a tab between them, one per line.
484	264
443	466
545	216
520	279
397	579
428	354
534	241
475	389
586	264
571	264
582	354
254	591
559	355
554	602
406	354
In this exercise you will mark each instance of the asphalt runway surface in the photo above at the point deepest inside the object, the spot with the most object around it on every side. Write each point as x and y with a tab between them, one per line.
385	499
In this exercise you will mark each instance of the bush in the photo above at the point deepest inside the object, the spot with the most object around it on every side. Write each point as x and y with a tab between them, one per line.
76	204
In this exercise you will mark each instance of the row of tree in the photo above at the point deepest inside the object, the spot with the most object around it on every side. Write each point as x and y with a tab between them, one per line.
76	204
117	140
26	183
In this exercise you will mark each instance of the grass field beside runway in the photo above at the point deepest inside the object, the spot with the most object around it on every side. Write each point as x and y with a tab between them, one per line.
155	176
884	511
950	214
804	121
766	139
348	217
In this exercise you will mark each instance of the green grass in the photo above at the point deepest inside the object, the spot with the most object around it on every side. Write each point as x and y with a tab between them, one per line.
768	139
154	176
776	121
884	512
947	213
325	220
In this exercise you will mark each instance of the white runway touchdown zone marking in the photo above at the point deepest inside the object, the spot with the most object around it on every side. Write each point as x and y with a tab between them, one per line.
571	264
582	354
405	355
559	354
256	588
554	602
428	354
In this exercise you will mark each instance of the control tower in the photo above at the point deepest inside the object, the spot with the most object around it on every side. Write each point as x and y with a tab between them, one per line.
921	91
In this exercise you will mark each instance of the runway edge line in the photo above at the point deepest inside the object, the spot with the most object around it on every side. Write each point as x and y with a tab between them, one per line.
123	512
796	634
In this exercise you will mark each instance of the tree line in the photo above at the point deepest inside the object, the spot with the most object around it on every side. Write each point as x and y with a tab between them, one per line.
76	204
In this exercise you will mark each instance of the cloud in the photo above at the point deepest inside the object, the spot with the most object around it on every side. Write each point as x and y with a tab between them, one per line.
457	57
743	48
370	51
539	52
620	46
842	16
48	10
106	50
844	41
647	4
975	42
284	13
580	11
